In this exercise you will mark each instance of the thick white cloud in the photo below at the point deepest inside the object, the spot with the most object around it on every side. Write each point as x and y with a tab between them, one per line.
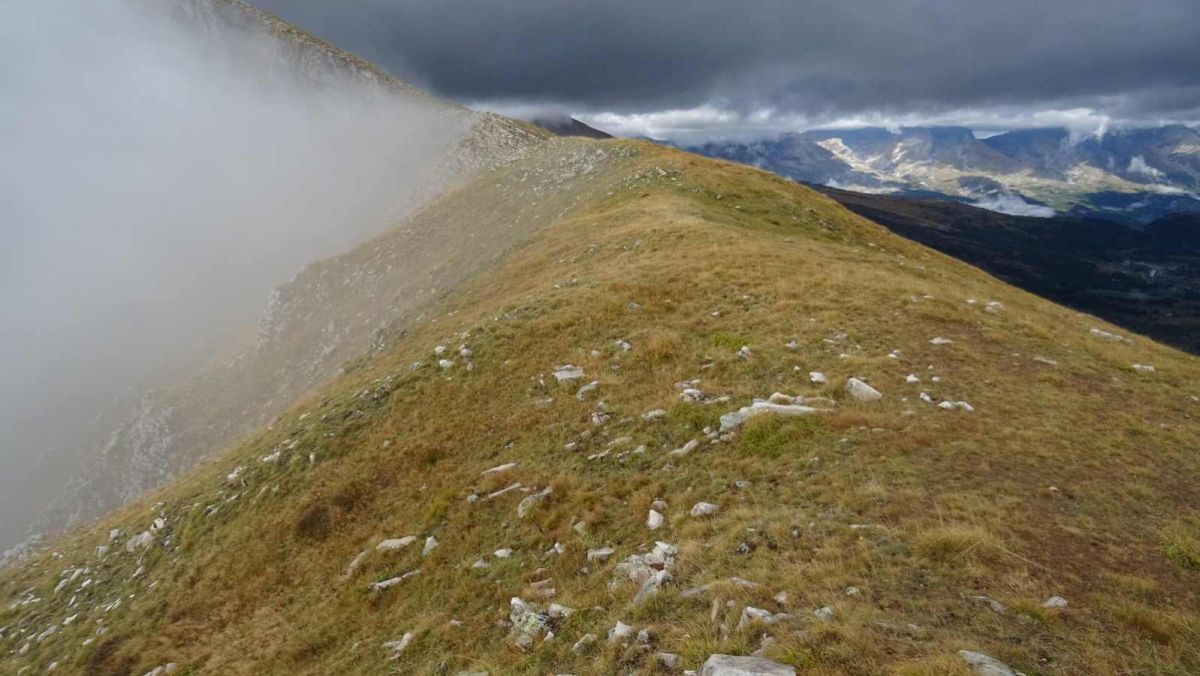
157	180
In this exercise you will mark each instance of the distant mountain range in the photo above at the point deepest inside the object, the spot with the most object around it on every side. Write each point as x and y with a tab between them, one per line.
1130	175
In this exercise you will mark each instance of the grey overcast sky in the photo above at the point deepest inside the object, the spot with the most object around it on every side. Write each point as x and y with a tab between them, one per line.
746	67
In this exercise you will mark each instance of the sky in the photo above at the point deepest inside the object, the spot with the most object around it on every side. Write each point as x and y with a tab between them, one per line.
703	69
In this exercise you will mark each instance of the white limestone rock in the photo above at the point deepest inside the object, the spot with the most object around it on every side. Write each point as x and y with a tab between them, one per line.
686	448
751	614
600	554
499	468
395	544
735	419
1055	602
730	665
619	632
818	377
654	520
861	391
531	501
567	373
705	509
139	541
397	647
984	665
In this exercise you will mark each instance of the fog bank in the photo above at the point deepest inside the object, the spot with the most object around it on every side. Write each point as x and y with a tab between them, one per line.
160	175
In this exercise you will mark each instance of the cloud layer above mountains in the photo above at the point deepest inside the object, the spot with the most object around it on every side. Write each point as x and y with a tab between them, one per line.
736	66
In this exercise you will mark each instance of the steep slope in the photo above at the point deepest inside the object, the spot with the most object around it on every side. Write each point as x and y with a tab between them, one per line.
877	536
165	424
1146	280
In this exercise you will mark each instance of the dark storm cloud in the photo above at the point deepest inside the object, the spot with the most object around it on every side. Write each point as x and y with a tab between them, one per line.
815	61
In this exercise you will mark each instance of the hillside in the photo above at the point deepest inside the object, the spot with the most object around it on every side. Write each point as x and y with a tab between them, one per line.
1145	279
385	523
162	425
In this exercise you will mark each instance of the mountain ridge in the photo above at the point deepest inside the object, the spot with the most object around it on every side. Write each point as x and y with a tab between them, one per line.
423	511
1133	175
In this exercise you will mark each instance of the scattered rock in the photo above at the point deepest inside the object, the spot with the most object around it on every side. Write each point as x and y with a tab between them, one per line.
984	665
531	500
1056	602
445	364
584	644
750	614
744	352
619	632
994	306
951	405
705	509
729	665
392	582
431	543
818	377
587	389
940	341
601	554
861	391
139	541
735	419
498	469
529	622
1144	368
686	448
397	647
912	378
395	544
567	373
824	614
654	520
1105	335
503	491
623	345
656	414
502	553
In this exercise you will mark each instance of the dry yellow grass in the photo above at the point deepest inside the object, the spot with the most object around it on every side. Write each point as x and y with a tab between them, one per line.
1073	479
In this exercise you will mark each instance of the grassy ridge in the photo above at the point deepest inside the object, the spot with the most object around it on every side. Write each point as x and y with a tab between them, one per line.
1073	479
